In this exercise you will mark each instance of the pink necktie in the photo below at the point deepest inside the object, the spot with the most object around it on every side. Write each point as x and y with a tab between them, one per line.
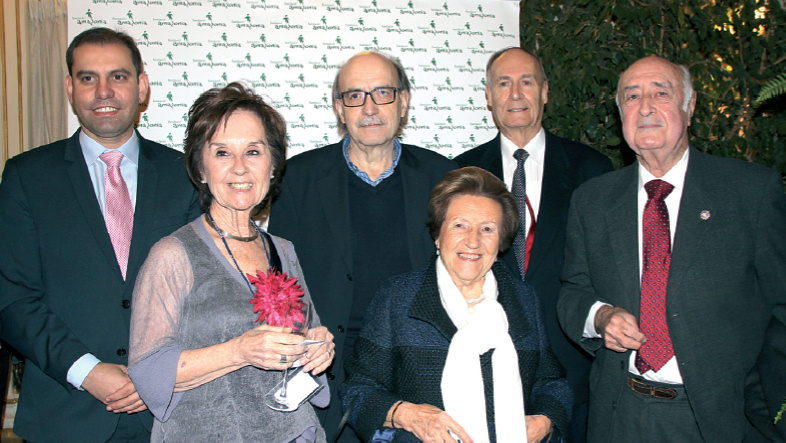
654	278
119	212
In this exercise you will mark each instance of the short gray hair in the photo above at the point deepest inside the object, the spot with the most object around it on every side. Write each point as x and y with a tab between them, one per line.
403	85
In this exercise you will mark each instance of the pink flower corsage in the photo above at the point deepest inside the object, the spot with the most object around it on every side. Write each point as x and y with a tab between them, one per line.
277	299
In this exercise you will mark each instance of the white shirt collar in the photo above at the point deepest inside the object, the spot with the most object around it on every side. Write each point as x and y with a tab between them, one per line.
536	147
675	176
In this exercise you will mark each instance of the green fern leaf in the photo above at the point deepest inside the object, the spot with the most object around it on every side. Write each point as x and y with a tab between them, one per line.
772	88
781	412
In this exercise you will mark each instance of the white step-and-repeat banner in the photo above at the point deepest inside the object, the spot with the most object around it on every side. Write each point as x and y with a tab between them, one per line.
290	51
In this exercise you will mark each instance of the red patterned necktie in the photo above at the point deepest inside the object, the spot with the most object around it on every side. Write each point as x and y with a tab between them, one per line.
119	211
654	278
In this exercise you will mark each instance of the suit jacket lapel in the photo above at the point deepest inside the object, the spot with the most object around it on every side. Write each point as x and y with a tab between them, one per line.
691	228
554	195
622	229
334	197
492	157
147	179
86	197
417	189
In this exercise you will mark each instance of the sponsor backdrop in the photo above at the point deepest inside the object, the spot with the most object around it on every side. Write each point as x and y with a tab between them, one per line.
290	51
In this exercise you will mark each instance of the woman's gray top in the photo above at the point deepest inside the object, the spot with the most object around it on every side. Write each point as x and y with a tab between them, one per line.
189	296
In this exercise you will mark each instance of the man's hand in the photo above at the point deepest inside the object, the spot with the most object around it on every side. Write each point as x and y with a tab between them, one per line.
619	329
109	383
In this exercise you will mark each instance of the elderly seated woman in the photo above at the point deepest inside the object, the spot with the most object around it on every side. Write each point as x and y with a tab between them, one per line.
458	350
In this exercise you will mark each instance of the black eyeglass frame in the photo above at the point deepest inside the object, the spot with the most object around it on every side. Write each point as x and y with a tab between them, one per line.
366	94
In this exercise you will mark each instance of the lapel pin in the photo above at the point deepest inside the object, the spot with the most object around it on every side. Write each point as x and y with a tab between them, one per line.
705	215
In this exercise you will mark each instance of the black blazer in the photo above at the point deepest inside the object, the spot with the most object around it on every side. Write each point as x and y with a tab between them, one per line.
312	211
61	291
567	165
727	283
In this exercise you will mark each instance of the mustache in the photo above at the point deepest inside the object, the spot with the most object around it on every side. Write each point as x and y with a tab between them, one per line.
370	120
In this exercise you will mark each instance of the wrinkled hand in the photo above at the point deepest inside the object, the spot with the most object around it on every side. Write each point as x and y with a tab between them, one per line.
538	427
264	345
619	329
318	357
429	423
109	383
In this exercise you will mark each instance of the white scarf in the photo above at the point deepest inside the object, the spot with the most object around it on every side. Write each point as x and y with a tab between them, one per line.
481	327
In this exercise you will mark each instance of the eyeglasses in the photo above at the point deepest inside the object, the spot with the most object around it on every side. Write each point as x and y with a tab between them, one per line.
380	96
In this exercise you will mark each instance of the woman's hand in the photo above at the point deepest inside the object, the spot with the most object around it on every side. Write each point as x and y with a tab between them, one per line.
427	422
266	347
538	427
318	357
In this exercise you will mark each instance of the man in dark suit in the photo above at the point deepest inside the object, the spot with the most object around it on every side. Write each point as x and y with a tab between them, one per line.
356	210
517	92
675	278
79	216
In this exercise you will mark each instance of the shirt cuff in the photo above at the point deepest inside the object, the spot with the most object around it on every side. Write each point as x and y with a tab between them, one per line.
589	323
78	371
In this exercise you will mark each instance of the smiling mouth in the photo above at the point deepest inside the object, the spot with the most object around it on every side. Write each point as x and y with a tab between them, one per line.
240	186
467	256
517	109
105	109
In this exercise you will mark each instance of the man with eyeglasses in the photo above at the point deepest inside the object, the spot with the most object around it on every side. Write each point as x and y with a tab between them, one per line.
356	210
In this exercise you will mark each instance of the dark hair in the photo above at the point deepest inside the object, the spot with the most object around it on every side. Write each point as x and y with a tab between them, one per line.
403	85
477	182
498	54
211	110
101	37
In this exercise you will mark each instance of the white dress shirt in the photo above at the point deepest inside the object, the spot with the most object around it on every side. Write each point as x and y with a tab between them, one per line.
533	168
96	167
670	372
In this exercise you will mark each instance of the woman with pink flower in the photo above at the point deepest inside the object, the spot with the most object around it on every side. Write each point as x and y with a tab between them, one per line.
197	358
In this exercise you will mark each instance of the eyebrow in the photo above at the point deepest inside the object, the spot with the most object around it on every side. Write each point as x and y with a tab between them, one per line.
94	73
505	77
658	84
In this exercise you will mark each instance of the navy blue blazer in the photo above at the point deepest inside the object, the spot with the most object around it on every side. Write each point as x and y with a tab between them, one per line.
61	291
402	349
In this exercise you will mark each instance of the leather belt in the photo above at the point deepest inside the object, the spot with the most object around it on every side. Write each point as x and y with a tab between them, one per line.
651	391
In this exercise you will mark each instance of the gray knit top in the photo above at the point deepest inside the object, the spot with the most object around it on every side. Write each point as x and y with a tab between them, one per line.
188	296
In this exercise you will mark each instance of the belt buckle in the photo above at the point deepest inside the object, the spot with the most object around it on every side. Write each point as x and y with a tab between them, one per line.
651	391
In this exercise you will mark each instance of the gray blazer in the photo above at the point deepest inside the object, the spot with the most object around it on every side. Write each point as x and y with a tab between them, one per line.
727	282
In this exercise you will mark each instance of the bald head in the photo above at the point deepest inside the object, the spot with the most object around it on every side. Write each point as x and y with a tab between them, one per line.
378	120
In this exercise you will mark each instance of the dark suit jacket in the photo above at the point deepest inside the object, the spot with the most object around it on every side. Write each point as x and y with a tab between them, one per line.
567	165
727	282
312	211
61	291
